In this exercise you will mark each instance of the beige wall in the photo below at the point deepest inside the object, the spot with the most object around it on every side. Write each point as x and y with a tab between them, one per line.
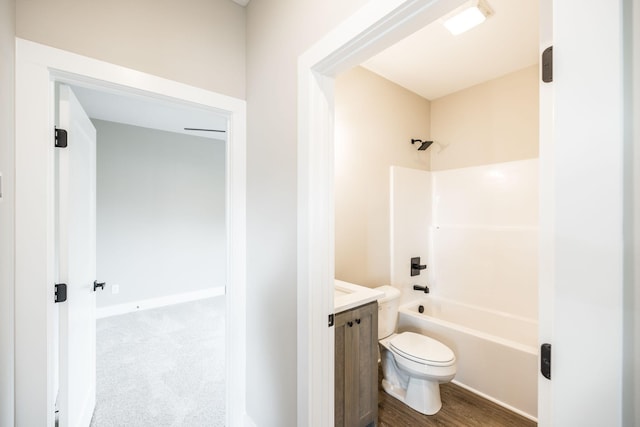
495	121
278	31
375	120
198	42
7	34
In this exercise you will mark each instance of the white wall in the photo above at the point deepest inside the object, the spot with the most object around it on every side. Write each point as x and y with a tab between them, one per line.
375	121
7	51
278	31
198	42
485	236
160	213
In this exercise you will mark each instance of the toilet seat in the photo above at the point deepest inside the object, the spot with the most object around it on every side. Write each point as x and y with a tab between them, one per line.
422	349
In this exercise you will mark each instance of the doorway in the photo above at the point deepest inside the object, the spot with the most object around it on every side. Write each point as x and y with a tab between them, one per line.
38	69
468	204
160	240
570	295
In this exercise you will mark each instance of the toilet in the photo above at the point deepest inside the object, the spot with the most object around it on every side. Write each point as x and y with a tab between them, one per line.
413	365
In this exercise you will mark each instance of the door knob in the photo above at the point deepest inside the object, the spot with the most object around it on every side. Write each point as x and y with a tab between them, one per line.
97	285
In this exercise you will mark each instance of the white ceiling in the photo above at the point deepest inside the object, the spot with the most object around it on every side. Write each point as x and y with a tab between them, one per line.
433	63
150	113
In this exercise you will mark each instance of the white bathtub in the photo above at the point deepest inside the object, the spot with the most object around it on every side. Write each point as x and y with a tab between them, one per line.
497	353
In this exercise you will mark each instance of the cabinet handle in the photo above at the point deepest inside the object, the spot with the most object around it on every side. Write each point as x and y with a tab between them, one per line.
350	324
358	321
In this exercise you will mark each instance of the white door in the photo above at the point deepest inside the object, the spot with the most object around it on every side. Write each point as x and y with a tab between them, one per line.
77	263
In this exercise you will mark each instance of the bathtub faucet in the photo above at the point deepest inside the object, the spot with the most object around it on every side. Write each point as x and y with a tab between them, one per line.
425	289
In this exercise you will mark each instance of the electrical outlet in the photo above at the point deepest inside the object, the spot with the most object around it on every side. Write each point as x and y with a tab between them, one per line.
115	289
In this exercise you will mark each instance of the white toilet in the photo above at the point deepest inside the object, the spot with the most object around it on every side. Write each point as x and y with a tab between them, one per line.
413	365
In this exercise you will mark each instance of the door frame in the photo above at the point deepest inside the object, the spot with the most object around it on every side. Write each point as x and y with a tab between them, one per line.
378	25
571	292
38	68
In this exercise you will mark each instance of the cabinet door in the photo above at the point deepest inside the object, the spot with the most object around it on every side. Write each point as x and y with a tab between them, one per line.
342	368
365	368
356	367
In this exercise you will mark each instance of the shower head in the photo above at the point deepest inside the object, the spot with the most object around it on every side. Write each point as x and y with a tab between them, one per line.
423	144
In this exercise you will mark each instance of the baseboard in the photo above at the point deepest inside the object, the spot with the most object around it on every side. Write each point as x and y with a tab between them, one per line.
115	310
494	400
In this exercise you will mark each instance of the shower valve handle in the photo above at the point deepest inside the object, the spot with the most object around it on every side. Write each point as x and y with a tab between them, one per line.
416	266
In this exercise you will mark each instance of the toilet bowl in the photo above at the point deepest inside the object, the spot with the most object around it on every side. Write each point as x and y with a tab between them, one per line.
413	365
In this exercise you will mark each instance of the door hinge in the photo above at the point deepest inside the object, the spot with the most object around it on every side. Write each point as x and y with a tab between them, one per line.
545	360
61	138
331	318
547	65
61	292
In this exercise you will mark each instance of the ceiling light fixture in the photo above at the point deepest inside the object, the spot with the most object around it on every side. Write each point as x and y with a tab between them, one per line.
467	16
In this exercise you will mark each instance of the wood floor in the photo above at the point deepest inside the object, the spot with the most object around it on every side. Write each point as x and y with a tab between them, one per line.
460	407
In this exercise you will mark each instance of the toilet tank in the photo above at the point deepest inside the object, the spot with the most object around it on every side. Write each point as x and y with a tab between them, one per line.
388	311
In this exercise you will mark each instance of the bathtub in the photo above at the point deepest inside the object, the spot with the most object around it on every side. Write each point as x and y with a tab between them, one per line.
496	352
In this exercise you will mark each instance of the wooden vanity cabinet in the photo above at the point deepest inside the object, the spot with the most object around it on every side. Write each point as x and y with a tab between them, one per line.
356	367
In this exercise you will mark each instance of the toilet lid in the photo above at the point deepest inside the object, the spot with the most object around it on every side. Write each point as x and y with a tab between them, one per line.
422	349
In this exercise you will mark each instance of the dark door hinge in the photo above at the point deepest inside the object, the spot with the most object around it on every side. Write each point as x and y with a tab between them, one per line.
61	138
331	318
61	292
545	360
547	65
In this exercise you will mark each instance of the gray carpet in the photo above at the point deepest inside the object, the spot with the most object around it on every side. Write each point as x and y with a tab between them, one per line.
162	367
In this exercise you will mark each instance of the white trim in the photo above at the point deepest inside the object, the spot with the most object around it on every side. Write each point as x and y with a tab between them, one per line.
546	233
147	304
379	24
588	134
38	67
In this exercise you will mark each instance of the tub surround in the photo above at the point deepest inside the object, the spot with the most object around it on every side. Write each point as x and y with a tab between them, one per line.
349	295
485	236
476	229
411	214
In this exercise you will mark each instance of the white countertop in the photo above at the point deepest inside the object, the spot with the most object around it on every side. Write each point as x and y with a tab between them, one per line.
349	295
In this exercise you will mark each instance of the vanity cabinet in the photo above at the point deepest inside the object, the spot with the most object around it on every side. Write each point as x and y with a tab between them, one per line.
356	367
